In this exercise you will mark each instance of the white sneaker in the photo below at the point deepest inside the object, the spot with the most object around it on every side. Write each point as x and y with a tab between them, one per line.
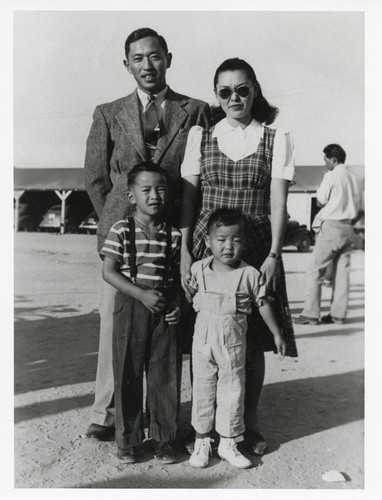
227	449
201	453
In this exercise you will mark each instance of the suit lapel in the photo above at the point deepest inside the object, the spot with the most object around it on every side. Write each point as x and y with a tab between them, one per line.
174	116
129	120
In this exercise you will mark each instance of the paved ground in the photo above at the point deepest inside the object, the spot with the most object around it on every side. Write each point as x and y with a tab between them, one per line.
311	410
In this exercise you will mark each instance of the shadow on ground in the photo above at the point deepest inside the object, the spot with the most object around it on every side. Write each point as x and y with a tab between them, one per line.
147	481
303	407
327	332
289	411
52	352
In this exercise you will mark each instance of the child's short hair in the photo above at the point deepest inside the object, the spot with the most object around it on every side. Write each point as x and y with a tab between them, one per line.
144	166
225	217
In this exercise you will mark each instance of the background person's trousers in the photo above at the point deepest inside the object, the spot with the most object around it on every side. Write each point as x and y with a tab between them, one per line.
144	340
333	245
102	412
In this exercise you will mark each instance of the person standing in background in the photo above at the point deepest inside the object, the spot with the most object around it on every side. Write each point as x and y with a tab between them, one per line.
338	199
152	123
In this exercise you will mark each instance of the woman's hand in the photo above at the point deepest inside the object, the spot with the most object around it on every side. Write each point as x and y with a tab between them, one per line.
280	345
269	273
185	274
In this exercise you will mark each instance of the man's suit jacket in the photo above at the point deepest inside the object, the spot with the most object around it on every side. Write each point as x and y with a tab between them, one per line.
116	144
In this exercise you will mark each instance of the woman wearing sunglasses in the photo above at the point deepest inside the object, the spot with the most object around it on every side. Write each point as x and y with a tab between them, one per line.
242	164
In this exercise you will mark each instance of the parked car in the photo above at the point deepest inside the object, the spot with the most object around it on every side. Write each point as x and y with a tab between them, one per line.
90	224
52	220
359	231
28	217
299	236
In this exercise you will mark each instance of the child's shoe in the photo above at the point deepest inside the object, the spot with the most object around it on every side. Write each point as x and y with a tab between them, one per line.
201	453
164	452
127	455
228	450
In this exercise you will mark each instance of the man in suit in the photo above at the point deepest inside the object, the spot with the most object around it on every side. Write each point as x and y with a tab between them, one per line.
151	123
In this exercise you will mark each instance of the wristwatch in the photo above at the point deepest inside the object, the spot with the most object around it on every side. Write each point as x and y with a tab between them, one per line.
274	255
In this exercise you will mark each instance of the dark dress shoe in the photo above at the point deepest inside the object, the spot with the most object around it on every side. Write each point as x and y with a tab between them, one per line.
100	432
329	319
255	442
127	455
164	453
304	320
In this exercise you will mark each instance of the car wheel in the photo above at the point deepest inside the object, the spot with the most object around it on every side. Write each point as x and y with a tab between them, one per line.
304	245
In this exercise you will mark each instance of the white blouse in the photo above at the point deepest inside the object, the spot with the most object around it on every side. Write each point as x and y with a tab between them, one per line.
238	143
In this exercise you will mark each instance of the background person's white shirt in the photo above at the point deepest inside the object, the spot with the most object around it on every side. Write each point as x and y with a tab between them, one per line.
339	193
238	143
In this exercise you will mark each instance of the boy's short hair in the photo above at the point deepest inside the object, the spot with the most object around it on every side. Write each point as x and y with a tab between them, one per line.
226	217
144	166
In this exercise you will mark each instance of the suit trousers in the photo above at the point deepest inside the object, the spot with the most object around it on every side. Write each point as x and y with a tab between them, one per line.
102	412
143	340
333	246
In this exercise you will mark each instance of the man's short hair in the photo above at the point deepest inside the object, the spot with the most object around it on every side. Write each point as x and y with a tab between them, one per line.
335	151
225	217
143	33
144	166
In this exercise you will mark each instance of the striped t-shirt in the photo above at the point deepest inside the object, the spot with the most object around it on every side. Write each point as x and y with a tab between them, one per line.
150	253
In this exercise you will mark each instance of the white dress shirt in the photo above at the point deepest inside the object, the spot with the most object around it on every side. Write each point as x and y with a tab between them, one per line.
339	194
159	102
238	143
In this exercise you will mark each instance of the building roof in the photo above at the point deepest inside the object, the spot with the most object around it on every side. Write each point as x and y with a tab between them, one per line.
41	179
306	180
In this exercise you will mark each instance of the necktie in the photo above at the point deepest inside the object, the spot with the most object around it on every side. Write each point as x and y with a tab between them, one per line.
151	126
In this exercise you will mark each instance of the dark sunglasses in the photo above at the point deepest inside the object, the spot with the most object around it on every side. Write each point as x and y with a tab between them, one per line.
242	91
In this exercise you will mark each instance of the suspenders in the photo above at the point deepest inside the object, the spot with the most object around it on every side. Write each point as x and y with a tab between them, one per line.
133	252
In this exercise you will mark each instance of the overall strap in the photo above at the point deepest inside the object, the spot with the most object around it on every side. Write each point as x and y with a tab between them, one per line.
133	250
200	274
234	283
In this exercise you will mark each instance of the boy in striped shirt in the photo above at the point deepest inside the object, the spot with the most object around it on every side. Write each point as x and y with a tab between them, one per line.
141	260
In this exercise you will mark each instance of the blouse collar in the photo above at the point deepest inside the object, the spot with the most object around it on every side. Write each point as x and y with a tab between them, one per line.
223	128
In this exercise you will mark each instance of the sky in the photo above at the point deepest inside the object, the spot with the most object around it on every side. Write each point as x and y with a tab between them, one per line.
309	64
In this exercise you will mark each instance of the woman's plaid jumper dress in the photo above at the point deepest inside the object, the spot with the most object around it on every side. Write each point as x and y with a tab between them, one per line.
244	185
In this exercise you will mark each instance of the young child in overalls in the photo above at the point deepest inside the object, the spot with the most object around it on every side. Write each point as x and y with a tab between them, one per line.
226	289
141	257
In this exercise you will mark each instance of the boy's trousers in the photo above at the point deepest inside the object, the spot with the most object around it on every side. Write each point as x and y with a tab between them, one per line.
142	340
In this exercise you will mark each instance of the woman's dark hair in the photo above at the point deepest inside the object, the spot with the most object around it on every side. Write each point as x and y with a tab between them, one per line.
261	110
335	151
144	33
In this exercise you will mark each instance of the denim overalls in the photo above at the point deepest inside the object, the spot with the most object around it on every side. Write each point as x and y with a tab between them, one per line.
218	356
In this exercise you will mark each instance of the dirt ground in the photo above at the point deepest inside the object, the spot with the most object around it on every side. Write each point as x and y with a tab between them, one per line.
311	411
